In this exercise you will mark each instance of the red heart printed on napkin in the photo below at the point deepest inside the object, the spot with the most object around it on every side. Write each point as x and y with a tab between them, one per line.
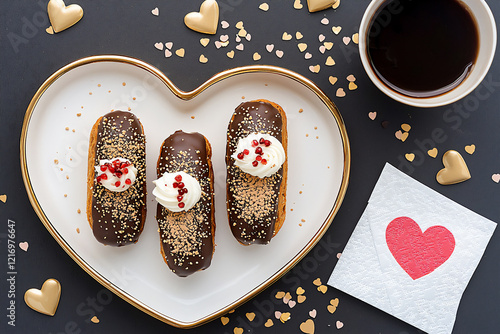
418	253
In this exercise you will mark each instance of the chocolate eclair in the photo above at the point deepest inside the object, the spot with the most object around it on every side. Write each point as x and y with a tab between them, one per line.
185	195
256	171
116	179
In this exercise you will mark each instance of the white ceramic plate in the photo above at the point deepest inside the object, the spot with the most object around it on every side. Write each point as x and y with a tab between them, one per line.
57	127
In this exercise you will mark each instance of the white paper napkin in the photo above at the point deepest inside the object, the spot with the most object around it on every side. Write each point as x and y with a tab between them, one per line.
412	253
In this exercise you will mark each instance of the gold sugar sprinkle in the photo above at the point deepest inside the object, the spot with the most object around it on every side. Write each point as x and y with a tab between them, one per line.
79	114
303	220
65	195
124	83
56	161
192	117
301	110
66	128
79	211
77	230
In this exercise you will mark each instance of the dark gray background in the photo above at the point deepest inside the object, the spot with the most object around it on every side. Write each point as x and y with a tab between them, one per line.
128	28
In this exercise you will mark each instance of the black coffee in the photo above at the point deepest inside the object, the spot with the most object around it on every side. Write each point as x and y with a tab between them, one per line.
422	48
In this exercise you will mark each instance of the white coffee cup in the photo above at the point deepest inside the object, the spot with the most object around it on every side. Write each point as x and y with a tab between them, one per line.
487	45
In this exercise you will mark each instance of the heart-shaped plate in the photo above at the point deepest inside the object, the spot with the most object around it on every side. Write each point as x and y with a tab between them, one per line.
54	144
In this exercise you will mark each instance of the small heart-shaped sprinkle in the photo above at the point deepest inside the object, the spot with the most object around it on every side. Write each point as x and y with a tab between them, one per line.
307	55
340	254
3	198
297	4
470	149
239	25
95	320
317	281
355	38
50	30
336	4
224	44
340	92
279	294
322	49
331	309
372	115
404	136
346	40
301	299
315	68
169	45
334	302
250	316
302	47
224	320
352	85
332	80
264	6
277	314
279	53
336	30
495	178
329	61
24	246
323	289
268	323
298	35
168	53
321	38
204	41
223	38
203	59
230	54
240	47
433	153
248	37
410	156
218	44
286	36
285	317
224	25
256	56
339	324
351	78
328	45
287	297
155	11
300	291
159	46
405	127
242	32
307	326
270	47
292	303
398	134
238	330
180	52
325	21
312	313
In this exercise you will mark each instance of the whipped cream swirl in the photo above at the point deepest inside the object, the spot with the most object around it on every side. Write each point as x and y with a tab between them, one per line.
259	154
177	191
116	175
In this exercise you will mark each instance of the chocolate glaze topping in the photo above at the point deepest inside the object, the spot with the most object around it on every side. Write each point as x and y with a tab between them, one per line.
187	236
252	202
118	216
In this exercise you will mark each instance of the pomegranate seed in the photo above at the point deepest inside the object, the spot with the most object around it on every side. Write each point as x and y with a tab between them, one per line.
258	150
246	152
181	205
128	181
104	176
241	156
103	168
181	184
261	141
258	158
116	164
118	173
180	192
264	162
111	169
179	198
267	143
178	178
184	190
175	184
99	178
255	143
125	170
117	184
125	164
255	163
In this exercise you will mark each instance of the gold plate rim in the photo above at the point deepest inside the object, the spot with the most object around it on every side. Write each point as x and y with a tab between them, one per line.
185	96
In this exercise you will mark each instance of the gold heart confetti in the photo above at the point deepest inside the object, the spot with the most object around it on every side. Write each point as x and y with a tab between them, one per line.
315	68
224	25
230	54
404	136
61	16
346	40
324	20
328	45
433	152
24	246
307	326
336	30
322	289
168	53
169	45
180	52
277	314
302	47
298	35
340	92
372	115
455	169
159	46
307	55
329	61
495	178
332	80
206	20
286	36
410	156
292	303
203	59
238	330
239	25
242	32
317	282
95	319
339	324
250	316
313	313
270	47
256	56
351	78
322	49
264	6
280	294
287	297
224	320
398	134
317	5
204	41
50	30
355	38
336	4
155	11
279	53
269	323
405	127
300	291
301	299
297	4
470	149
45	300
3	198
352	85
334	303
285	317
